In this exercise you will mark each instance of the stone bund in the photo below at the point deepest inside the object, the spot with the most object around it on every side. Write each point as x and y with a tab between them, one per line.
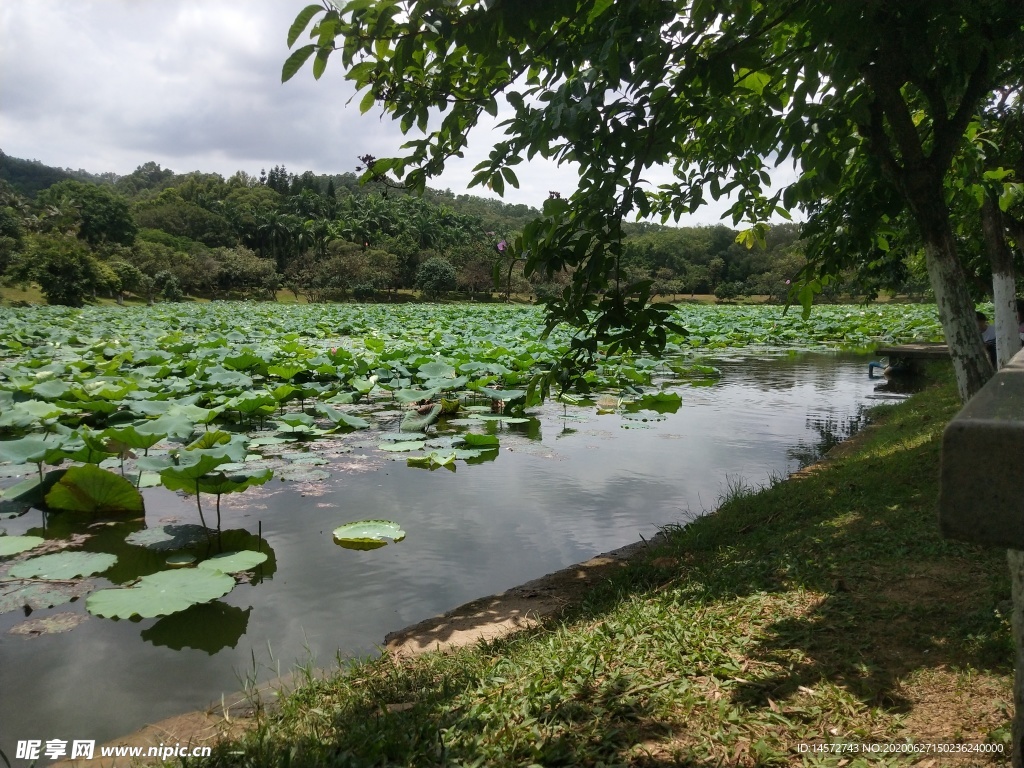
981	497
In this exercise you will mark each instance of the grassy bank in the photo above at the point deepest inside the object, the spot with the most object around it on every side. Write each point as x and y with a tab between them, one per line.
824	609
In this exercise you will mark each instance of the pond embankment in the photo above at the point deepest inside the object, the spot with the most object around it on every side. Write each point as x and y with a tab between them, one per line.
823	610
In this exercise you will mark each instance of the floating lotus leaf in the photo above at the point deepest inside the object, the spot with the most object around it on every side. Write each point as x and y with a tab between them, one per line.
302	473
12	545
49	625
367	534
50	390
160	594
243	361
233	562
661	402
40	595
180	559
168	537
405	445
480	441
433	460
503	419
397	436
90	489
61	566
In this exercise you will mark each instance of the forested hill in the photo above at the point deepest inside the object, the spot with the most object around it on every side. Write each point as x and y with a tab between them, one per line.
155	233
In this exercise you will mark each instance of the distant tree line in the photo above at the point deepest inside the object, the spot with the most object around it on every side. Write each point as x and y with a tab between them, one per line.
158	235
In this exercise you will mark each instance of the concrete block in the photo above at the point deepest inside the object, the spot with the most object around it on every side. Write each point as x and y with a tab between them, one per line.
981	498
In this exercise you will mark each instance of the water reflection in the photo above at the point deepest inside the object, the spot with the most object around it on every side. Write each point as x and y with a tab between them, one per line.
566	484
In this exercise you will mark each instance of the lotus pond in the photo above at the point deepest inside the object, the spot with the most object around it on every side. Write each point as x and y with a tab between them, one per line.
198	495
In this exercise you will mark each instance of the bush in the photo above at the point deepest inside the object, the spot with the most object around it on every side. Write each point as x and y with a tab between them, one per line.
436	277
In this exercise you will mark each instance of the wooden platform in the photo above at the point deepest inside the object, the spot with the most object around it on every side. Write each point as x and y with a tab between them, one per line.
921	351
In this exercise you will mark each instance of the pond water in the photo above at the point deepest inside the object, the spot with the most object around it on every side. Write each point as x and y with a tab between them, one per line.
566	485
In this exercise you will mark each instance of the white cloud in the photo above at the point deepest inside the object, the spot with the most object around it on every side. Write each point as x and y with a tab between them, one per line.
107	85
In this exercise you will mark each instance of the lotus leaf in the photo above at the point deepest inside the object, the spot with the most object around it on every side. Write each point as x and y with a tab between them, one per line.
402	446
28	449
88	488
60	566
298	420
220	482
480	441
415	395
341	418
437	370
367	534
416	422
131	437
40	595
168	425
168	537
233	562
433	460
160	594
287	372
180	559
12	545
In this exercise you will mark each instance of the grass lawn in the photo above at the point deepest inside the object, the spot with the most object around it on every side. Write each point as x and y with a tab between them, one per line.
825	609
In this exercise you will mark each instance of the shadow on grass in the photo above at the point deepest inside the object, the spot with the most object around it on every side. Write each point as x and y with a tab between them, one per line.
743	634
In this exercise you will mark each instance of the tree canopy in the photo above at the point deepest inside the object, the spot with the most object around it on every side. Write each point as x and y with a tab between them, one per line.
870	101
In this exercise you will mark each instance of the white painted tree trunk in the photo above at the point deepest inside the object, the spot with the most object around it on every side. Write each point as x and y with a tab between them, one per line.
956	313
1005	301
1003	285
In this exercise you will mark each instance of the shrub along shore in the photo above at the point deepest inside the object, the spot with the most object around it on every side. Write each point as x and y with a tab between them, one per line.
823	610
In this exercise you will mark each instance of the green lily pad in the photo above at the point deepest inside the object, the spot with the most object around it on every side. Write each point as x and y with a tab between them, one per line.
12	545
405	445
168	537
160	594
233	562
61	566
90	489
367	534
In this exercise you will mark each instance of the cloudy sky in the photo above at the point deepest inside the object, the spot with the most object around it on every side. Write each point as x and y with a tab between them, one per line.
107	85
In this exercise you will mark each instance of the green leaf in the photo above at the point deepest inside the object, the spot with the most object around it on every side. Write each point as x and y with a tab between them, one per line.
367	534
301	22
61	566
13	545
27	450
471	438
90	489
233	562
294	62
402	446
160	594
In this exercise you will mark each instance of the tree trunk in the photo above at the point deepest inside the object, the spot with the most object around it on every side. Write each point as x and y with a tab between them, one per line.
956	309
1003	282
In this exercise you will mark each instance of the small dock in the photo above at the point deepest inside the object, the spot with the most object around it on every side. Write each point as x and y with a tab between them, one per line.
906	358
924	350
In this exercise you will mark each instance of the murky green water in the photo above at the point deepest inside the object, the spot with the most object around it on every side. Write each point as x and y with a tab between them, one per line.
565	486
